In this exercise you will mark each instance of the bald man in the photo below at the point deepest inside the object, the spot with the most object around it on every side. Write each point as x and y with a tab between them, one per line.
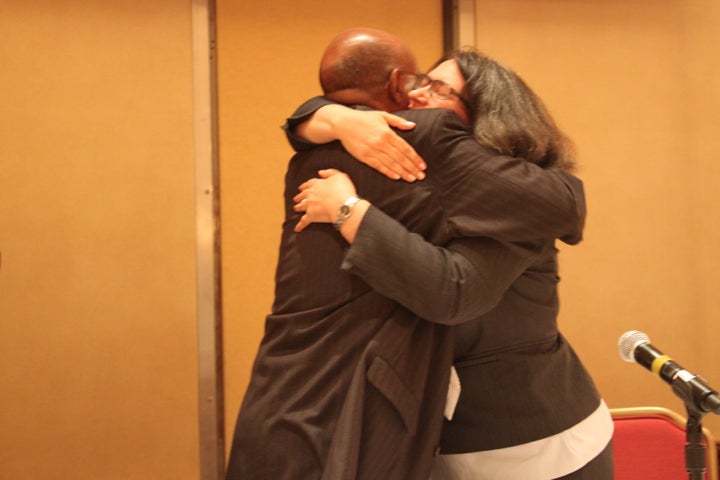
348	384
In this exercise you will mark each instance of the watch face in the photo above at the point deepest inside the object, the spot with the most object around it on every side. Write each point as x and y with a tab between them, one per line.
345	211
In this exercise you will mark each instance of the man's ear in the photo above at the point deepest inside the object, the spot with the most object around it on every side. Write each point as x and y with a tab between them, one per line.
396	91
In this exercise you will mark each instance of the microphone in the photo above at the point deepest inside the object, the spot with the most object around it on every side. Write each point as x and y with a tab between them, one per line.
635	346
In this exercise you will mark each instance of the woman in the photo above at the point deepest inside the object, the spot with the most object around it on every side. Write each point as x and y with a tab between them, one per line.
527	409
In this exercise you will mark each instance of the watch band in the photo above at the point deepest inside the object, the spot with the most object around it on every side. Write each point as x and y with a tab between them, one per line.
345	211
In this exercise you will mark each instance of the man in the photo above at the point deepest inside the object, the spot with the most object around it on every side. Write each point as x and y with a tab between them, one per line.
347	384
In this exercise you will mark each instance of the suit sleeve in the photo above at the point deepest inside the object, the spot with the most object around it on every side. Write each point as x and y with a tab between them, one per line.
490	195
303	112
484	194
443	285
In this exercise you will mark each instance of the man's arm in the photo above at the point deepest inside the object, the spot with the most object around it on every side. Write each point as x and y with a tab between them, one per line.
484	194
490	195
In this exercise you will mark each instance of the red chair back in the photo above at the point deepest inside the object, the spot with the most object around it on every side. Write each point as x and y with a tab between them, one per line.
649	444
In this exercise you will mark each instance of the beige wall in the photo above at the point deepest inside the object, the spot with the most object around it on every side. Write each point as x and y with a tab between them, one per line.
98	363
97	277
632	82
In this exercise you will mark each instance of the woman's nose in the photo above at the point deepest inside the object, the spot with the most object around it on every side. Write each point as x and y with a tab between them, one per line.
419	96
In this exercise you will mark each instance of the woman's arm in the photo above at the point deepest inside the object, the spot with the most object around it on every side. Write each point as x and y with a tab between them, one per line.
366	134
448	285
320	199
443	285
484	194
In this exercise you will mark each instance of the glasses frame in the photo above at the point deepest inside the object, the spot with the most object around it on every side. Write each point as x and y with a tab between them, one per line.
422	80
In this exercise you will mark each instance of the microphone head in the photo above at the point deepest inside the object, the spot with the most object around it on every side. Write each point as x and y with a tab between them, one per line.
628	342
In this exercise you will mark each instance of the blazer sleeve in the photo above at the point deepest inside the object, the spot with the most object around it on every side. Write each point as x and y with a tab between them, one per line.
303	112
443	285
484	194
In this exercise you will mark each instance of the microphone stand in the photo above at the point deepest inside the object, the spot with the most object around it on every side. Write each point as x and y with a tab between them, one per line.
695	449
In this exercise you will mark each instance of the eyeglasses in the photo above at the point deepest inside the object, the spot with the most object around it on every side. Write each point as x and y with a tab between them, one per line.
438	88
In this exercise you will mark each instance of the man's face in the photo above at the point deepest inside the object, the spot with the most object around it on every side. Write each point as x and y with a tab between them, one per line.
443	91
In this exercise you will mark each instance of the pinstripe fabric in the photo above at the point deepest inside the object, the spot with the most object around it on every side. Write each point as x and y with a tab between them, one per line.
348	384
521	380
522	383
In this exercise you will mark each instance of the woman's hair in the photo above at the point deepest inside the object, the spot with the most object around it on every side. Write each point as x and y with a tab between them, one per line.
507	115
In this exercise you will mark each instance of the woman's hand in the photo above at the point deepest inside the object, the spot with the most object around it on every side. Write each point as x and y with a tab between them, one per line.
367	136
320	198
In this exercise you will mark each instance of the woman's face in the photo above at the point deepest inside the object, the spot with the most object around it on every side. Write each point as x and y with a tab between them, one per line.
429	96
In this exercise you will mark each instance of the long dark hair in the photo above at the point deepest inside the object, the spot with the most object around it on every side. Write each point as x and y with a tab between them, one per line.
508	116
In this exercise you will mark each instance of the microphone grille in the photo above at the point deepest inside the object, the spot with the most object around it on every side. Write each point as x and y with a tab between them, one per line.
628	342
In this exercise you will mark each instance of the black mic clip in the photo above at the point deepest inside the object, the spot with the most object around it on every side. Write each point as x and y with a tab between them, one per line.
696	393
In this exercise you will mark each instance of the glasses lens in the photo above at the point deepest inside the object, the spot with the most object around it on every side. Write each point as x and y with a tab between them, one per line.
411	81
422	80
441	89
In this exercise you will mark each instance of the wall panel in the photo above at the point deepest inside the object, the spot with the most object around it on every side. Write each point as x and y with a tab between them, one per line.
97	284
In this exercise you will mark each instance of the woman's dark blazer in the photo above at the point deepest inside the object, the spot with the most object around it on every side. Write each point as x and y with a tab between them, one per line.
521	380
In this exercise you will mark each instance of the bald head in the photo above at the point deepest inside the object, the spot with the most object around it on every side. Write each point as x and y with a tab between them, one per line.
357	68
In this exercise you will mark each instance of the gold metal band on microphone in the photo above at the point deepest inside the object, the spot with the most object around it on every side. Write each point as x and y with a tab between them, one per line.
658	363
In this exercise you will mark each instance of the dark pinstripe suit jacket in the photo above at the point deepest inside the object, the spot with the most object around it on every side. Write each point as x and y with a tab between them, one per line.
347	384
521	380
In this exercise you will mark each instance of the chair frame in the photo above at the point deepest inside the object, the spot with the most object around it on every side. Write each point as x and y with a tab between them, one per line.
712	452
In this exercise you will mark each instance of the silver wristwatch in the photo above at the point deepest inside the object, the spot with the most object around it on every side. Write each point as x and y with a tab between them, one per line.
345	211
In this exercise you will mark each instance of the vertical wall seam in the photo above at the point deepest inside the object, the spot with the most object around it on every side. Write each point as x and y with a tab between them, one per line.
208	273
